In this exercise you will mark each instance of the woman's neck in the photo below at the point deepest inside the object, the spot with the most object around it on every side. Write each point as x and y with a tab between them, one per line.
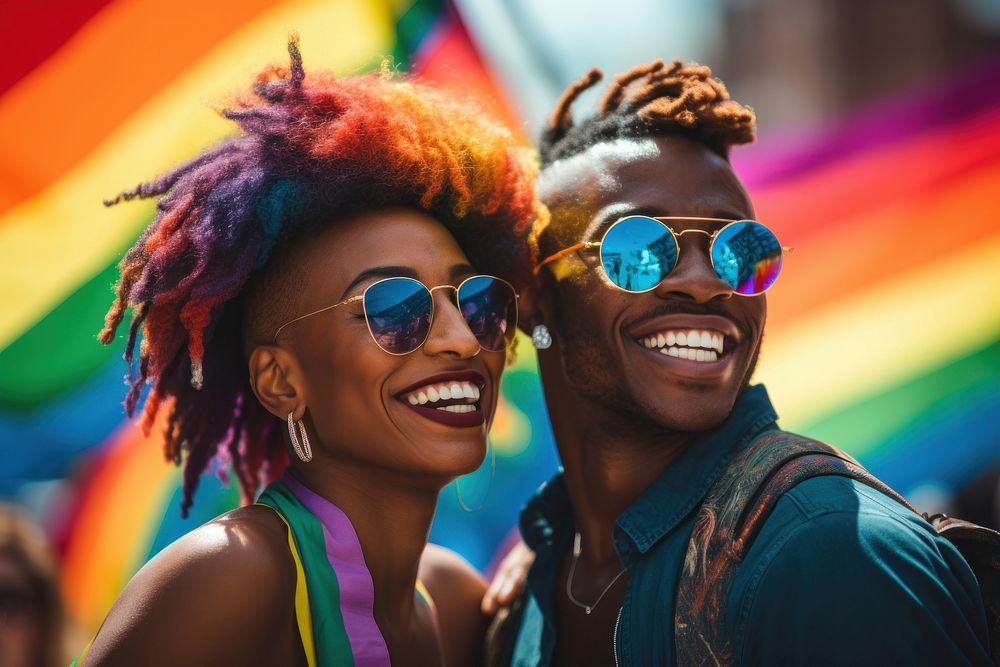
391	514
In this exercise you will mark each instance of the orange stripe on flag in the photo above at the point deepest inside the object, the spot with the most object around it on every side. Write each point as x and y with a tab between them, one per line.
116	522
853	254
61	111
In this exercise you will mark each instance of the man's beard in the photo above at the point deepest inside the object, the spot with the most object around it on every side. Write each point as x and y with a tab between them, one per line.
596	376
592	371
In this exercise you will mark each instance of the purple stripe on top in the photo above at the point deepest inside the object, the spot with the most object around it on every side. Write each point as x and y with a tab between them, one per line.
896	119
357	591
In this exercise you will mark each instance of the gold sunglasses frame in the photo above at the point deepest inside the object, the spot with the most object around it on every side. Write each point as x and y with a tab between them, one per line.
675	235
430	323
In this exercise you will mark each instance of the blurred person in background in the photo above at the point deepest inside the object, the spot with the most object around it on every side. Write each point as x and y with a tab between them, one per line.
979	501
32	618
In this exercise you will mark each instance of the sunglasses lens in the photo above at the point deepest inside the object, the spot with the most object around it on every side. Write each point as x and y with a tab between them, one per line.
489	306
637	253
747	256
399	314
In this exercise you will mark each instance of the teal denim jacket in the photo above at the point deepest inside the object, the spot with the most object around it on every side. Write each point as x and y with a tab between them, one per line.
839	574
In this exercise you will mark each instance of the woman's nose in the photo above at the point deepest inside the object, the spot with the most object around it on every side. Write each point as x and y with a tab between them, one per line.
450	333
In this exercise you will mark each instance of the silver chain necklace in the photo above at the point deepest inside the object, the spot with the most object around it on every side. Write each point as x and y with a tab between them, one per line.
569	580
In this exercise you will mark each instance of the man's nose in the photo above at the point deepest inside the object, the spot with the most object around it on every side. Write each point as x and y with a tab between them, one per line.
693	277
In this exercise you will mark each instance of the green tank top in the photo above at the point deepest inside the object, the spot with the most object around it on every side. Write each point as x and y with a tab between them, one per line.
334	592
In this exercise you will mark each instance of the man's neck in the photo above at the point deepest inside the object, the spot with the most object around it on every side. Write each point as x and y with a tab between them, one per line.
609	461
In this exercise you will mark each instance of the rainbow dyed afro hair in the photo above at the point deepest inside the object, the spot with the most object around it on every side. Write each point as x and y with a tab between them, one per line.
312	148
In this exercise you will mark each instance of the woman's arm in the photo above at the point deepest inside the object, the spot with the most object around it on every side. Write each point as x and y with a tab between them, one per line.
221	595
457	589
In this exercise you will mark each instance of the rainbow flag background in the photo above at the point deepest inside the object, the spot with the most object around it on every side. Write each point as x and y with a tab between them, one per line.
884	331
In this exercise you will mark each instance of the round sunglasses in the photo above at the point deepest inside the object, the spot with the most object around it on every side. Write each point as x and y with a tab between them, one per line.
399	311
638	252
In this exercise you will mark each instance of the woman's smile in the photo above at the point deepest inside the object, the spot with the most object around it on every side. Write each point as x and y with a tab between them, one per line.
452	399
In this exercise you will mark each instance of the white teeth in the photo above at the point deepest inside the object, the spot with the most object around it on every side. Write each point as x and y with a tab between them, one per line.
710	341
690	354
444	392
459	409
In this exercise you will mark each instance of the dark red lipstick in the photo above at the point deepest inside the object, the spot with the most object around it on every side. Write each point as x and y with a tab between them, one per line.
432	410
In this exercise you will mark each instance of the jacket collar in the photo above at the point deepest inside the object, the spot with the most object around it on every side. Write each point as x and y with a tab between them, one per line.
547	519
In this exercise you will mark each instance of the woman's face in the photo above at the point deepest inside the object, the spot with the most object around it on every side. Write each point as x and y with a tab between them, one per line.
359	398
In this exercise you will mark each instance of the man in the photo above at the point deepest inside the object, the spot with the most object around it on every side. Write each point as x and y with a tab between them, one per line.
646	376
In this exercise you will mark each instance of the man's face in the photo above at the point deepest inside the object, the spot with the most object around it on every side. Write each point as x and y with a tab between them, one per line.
608	340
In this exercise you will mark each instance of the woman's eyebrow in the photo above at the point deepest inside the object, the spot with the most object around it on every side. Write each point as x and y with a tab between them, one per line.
380	272
459	270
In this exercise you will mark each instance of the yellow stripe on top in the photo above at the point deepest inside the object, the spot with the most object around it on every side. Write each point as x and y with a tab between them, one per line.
426	597
303	616
83	654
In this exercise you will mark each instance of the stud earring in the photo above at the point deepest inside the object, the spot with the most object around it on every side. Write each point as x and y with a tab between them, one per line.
302	449
541	338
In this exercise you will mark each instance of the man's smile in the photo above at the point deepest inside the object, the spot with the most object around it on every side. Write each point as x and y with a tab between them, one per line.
691	345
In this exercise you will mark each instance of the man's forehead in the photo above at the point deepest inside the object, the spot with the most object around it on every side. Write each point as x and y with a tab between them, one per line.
597	166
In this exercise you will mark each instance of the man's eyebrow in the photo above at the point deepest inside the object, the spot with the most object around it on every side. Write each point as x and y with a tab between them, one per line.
380	272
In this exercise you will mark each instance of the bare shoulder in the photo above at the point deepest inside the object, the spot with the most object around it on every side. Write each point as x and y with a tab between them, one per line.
457	590
444	569
218	596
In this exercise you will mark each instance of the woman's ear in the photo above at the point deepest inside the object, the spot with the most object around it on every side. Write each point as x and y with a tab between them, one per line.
277	382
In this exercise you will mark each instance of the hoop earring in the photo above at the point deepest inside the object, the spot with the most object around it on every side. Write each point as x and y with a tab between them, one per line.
302	449
489	488
541	338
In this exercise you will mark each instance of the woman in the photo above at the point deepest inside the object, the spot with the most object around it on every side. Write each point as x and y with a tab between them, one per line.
326	250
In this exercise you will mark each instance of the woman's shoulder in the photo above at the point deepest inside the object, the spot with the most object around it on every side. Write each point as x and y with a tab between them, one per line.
206	598
457	590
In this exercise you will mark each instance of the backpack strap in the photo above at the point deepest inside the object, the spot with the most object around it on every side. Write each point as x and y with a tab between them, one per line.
729	519
980	547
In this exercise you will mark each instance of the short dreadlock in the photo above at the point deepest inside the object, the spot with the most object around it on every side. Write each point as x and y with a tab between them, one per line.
652	99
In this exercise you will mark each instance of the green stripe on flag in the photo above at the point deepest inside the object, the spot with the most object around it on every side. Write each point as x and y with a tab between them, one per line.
872	420
61	350
412	26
